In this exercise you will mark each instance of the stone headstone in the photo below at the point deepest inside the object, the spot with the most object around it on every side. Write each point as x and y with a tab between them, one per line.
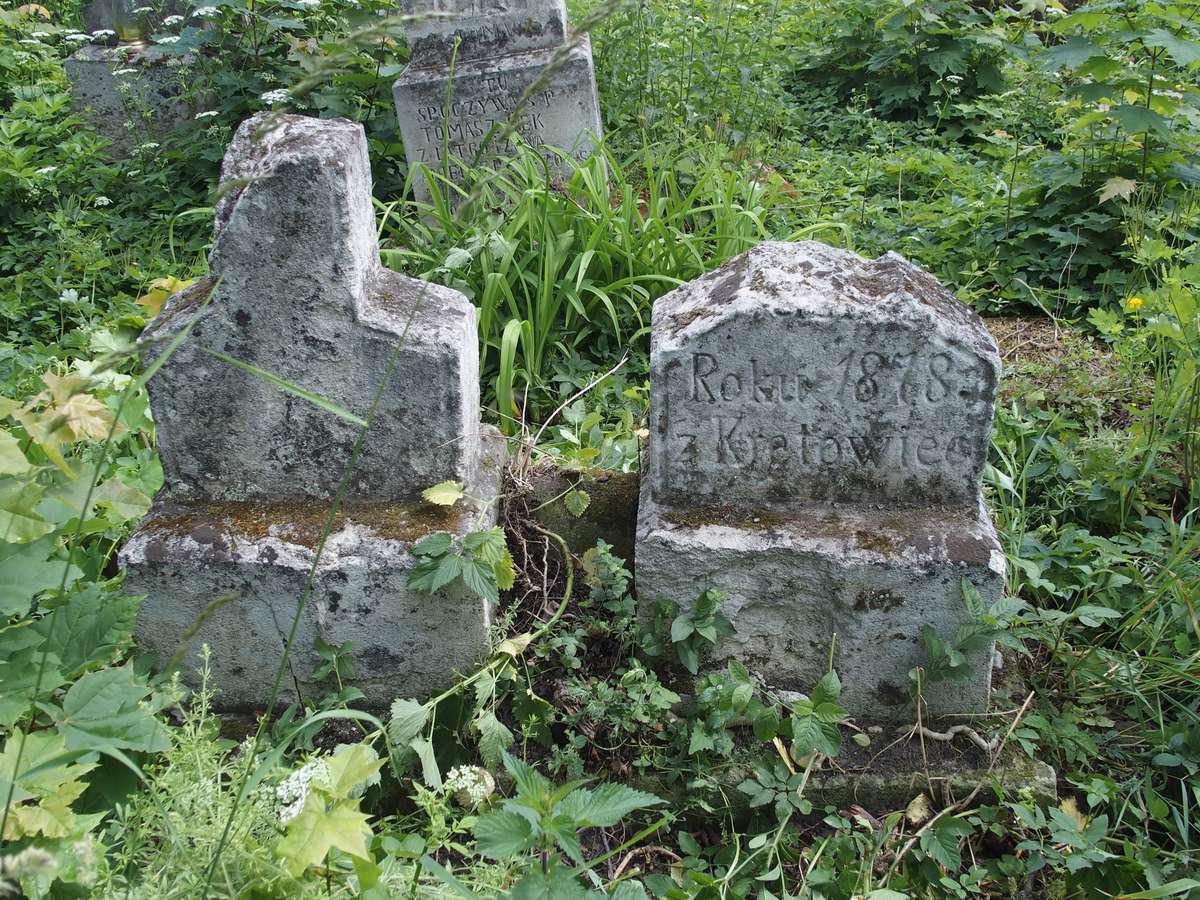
515	61
819	425
297	291
130	93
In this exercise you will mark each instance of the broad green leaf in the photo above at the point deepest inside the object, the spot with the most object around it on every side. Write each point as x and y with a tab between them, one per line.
430	773
12	460
811	735
480	577
19	523
577	502
1183	51
1075	51
1137	118
352	769
1117	187
26	570
606	805
407	722
50	777
315	399
449	568
434	545
828	689
500	834
505	572
21	660
89	628
488	545
126	503
445	493
317	830
494	739
942	840
103	710
530	783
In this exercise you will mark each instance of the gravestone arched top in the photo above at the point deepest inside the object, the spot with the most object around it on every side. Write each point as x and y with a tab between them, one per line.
798	373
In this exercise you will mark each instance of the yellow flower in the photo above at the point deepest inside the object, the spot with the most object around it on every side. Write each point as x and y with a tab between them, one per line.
1133	304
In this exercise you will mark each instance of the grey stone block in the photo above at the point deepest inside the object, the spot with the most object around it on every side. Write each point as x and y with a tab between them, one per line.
298	291
237	570
131	93
485	28
799	373
552	94
864	582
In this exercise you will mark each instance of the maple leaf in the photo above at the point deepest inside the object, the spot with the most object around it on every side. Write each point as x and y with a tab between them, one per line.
160	289
1117	187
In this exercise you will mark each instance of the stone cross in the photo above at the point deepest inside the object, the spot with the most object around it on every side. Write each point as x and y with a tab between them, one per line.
819	424
513	61
297	291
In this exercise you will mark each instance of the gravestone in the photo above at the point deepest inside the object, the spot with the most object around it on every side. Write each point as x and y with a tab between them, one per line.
131	94
515	60
819	424
297	290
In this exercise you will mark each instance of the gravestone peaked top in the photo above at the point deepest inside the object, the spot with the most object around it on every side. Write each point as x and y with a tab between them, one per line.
301	295
801	374
484	28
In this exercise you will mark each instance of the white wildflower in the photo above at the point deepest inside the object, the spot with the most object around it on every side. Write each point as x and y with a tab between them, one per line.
205	11
28	41
143	10
103	34
169	39
101	201
40	34
143	148
954	79
207	114
79	36
293	790
86	861
46	170
30	862
172	20
279	95
1174	95
125	71
308	4
471	785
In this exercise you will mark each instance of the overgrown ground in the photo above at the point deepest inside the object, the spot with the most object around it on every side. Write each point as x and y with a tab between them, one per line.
1041	161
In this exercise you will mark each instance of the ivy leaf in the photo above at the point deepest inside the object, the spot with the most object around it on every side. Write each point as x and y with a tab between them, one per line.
494	739
407	721
577	502
445	493
25	571
89	628
103	711
501	833
317	830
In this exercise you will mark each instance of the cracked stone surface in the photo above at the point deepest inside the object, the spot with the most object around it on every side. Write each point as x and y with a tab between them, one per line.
484	29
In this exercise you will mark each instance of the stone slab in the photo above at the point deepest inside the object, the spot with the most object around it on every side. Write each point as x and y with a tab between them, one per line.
297	291
870	579
130	94
800	373
484	28
561	111
233	571
611	514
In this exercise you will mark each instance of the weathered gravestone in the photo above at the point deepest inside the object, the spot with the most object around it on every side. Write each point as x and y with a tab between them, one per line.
819	424
514	61
297	290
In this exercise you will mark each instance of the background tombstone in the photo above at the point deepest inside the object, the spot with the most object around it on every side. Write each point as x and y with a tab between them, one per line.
513	59
300	293
819	423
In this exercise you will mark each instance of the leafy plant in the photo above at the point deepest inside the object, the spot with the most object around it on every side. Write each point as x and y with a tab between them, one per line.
698	630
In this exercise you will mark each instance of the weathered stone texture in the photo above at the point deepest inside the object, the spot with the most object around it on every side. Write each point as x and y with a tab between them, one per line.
484	28
298	292
130	94
819	424
561	111
799	373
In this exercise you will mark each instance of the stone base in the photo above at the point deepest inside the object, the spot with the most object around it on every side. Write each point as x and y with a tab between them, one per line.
130	93
611	514
862	582
229	574
563	112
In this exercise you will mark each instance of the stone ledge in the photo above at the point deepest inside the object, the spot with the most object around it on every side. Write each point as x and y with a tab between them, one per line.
861	582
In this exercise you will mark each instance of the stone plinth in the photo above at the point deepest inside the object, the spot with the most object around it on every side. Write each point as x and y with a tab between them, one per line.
298	294
239	569
483	28
130	94
819	423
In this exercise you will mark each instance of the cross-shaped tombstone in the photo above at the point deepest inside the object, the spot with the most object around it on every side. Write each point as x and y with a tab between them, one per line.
297	294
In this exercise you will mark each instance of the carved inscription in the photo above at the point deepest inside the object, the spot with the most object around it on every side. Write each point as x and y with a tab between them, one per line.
866	417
